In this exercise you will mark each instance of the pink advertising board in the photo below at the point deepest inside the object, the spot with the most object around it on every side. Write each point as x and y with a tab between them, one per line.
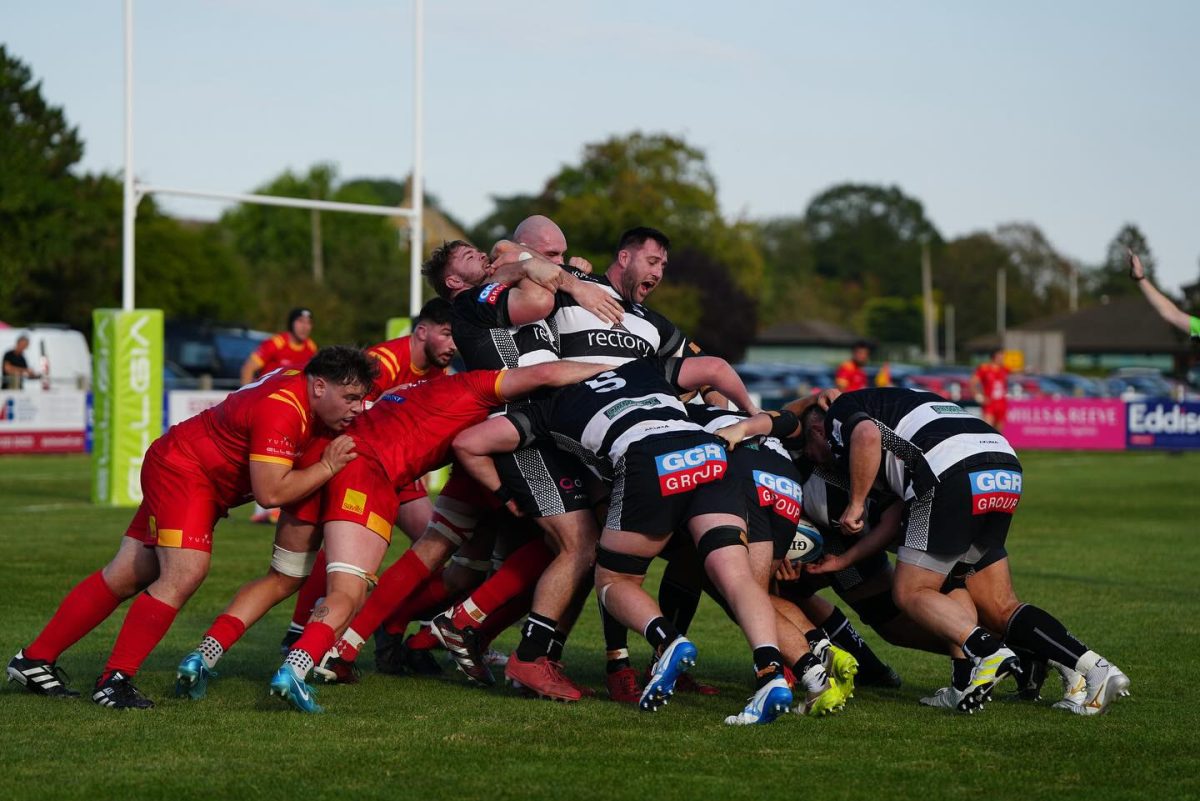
1067	424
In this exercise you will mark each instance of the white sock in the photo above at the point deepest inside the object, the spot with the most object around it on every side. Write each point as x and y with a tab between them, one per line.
210	651
354	638
300	663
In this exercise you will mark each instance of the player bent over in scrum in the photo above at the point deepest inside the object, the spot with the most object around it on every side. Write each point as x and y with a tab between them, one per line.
667	471
244	446
399	440
962	483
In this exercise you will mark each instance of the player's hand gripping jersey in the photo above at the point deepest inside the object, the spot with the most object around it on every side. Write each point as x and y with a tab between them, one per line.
487	339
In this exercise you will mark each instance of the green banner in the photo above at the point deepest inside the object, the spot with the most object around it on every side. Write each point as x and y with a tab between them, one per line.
398	327
127	367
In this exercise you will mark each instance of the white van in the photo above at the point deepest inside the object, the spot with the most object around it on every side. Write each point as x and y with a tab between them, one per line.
60	355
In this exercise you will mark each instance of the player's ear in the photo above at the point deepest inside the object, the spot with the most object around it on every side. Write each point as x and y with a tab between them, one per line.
319	386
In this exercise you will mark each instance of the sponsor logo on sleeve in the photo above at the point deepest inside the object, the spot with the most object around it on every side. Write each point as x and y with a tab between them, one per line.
490	293
780	493
620	407
995	491
683	471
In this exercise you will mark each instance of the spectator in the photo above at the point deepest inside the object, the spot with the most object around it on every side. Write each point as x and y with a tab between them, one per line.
16	368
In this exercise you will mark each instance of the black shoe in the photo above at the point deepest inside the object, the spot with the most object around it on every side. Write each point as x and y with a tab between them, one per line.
465	647
289	639
419	663
40	677
887	679
116	691
389	658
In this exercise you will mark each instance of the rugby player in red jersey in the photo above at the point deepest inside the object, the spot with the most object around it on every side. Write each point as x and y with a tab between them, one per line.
244	447
398	439
291	349
850	374
990	383
404	361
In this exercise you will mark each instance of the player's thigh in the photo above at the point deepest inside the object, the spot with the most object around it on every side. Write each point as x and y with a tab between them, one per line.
571	532
992	592
353	544
415	512
294	534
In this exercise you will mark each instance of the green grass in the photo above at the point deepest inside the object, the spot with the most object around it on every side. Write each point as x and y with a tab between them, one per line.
1107	542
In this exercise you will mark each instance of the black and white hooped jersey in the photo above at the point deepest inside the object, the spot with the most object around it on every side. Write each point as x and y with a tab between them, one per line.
600	418
642	333
761	461
486	337
923	436
826	496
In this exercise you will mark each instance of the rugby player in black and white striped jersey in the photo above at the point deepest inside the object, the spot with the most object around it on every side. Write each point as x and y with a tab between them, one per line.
961	482
667	472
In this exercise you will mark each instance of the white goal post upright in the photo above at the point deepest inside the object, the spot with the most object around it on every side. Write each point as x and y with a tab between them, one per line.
135	190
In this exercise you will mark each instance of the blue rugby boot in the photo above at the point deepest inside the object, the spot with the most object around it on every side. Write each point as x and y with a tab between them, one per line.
676	659
292	689
769	702
191	677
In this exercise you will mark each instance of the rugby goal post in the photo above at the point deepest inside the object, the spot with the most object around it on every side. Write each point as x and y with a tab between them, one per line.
127	343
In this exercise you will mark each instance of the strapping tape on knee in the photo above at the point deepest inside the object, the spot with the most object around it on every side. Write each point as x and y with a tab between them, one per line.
478	565
622	562
444	528
297	564
720	537
346	567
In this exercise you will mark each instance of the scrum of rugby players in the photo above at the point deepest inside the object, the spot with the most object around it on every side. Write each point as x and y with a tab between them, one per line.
589	435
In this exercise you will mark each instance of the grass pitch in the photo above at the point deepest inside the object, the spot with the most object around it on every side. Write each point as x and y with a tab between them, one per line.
1106	542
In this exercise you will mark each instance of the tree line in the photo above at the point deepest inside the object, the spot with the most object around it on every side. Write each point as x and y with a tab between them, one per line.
852	256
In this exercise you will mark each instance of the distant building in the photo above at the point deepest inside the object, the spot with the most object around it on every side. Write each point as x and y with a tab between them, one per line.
808	341
1125	332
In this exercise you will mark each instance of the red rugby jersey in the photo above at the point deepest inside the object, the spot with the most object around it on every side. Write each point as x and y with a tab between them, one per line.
410	434
267	421
396	368
850	377
278	351
993	378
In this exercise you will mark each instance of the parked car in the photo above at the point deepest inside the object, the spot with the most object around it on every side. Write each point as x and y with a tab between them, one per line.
1070	385
217	351
954	386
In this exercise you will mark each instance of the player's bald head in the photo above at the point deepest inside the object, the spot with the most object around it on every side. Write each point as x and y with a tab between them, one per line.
542	234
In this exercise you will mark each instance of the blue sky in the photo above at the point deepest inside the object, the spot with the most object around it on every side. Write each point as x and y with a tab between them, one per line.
1078	116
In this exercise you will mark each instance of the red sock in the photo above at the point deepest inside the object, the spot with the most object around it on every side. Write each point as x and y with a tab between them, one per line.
317	638
395	586
505	616
423	640
431	594
311	591
518	575
226	630
85	607
144	627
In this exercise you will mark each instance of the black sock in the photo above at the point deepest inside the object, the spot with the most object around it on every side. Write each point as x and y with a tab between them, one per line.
557	643
768	663
960	673
660	633
1032	675
678	603
536	635
814	637
981	644
843	634
1039	632
616	640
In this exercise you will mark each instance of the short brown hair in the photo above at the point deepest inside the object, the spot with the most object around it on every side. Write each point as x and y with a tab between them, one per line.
434	268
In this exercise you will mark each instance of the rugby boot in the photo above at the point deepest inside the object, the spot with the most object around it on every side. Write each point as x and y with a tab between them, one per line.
494	658
39	676
584	690
465	647
841	667
676	659
1102	686
115	691
826	701
289	638
292	689
769	702
191	677
623	686
541	678
887	678
334	669
951	698
988	671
